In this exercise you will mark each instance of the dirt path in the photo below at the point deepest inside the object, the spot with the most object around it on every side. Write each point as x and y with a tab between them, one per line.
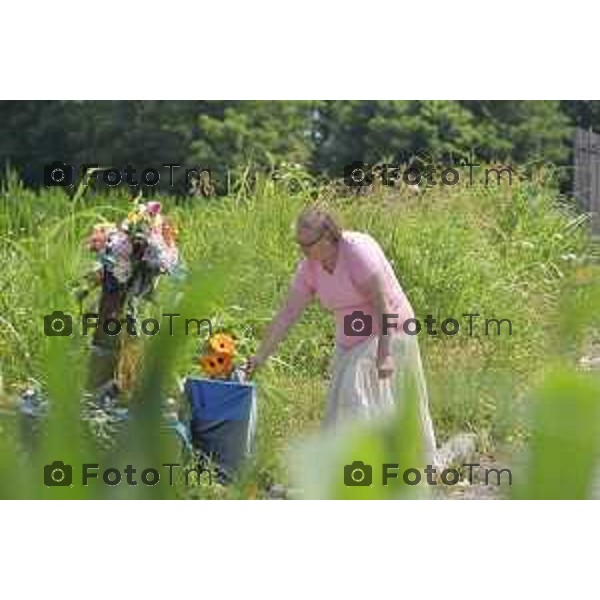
483	484
479	490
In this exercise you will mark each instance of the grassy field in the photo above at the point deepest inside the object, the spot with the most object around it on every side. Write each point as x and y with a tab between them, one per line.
516	252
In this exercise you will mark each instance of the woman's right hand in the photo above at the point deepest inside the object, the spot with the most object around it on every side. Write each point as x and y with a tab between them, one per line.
252	364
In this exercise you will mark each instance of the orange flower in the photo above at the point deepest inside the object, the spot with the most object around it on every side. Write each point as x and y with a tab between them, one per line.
222	344
97	241
169	233
217	364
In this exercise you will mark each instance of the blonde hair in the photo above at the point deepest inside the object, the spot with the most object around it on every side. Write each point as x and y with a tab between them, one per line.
320	220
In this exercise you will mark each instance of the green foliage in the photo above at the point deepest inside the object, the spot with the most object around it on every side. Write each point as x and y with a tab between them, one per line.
323	136
565	444
376	129
504	251
521	130
257	133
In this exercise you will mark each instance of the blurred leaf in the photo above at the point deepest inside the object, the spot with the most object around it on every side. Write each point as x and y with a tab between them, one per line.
565	443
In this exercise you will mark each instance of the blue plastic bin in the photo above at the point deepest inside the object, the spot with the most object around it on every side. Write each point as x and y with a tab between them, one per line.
223	420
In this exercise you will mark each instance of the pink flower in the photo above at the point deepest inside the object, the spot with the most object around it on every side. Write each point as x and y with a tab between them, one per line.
153	208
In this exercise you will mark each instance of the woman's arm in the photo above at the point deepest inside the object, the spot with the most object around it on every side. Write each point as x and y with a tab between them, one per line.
299	296
373	288
280	325
367	271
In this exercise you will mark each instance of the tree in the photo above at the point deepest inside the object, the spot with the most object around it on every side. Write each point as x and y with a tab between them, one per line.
257	133
521	130
376	130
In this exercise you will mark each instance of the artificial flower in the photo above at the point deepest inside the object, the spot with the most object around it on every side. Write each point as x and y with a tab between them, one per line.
222	343
153	208
141	247
217	364
134	217
169	232
97	241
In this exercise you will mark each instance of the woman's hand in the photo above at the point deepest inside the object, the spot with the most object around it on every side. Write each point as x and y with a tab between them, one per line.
385	366
252	364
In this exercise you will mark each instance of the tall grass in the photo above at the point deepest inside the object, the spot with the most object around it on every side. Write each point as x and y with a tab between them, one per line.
512	252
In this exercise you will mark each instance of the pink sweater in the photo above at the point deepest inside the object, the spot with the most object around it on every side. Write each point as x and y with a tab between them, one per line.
359	257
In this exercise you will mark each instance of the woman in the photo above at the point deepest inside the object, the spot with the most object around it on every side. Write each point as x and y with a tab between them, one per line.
350	274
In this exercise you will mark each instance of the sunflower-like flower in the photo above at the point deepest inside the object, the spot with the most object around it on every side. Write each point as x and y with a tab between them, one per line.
222	343
217	364
134	217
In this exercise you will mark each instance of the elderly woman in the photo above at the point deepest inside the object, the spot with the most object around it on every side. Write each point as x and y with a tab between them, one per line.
350	274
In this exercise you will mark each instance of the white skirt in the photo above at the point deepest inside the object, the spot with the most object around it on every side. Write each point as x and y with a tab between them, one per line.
357	392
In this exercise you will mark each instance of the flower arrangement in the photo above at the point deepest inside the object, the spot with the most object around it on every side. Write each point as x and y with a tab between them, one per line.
217	361
129	259
130	256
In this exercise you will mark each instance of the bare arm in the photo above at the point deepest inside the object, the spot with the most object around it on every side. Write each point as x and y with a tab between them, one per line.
279	327
373	288
299	296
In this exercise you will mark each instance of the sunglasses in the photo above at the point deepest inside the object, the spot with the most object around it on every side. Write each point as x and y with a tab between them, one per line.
306	245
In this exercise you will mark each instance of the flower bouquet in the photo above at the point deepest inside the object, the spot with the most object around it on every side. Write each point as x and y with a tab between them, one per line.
223	408
129	259
217	359
131	256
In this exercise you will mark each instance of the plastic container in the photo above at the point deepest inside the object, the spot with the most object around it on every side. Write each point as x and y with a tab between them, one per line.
223	421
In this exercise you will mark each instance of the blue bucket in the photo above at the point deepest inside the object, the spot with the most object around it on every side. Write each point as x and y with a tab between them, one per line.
223	420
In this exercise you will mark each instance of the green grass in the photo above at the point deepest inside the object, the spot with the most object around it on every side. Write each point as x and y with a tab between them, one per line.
512	252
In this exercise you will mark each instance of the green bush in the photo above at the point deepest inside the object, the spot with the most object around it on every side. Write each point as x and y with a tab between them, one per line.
501	251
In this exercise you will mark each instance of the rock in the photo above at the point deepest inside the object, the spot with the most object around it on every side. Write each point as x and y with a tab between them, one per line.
459	449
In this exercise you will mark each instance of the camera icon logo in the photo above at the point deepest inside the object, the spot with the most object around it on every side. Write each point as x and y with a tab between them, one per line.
358	174
58	174
57	474
358	474
358	323
58	324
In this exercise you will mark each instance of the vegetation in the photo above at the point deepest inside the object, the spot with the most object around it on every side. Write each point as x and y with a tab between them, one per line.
323	136
516	252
